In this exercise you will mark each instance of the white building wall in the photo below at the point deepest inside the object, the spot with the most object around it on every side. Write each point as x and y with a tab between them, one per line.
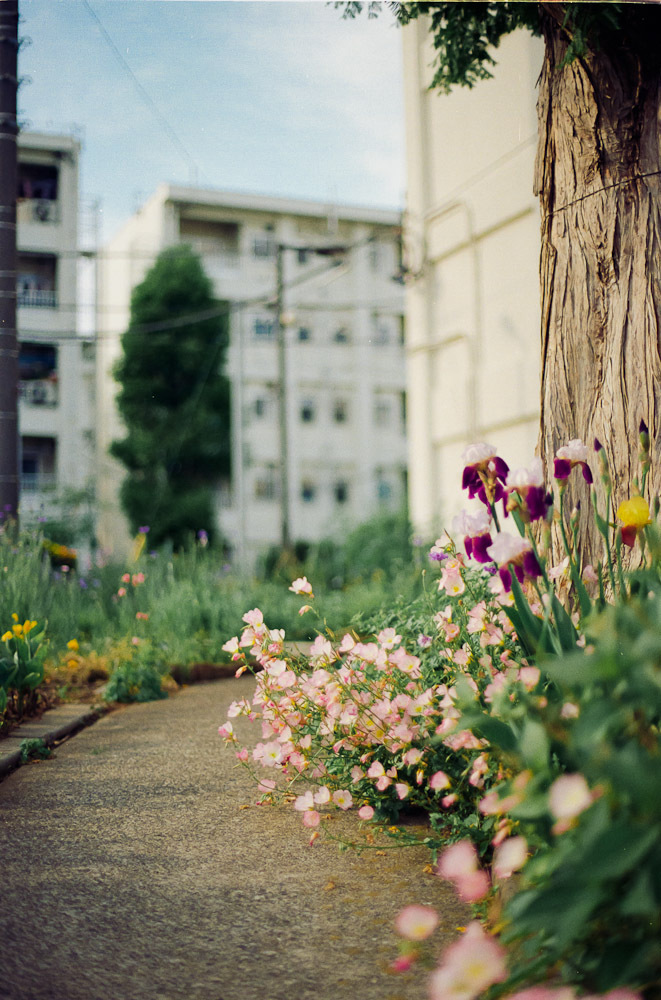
59	408
472	245
328	459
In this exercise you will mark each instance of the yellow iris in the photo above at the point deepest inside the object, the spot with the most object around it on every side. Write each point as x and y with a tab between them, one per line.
7	636
73	644
17	629
634	513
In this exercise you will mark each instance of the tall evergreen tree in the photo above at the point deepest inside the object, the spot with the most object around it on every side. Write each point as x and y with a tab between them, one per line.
174	400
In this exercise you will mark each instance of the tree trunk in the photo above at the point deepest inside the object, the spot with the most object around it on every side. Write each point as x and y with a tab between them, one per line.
598	179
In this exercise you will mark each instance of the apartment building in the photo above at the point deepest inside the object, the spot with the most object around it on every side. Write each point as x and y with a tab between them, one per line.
343	357
472	252
56	367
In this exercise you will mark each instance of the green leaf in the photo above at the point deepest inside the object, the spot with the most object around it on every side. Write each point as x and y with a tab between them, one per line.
534	745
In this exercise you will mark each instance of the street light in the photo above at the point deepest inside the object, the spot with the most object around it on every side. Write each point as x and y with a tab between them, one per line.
280	326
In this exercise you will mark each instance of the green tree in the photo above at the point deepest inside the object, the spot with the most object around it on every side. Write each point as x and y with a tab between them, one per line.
598	178
174	400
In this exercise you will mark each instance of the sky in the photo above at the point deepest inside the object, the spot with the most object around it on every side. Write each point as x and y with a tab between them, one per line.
272	97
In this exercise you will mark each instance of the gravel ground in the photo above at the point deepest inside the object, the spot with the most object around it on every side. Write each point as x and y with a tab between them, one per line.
130	871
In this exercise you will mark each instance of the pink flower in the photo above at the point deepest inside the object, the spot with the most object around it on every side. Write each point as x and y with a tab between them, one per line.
458	860
142	616
301	586
322	796
126	578
412	756
415	922
365	812
342	799
449	800
311	818
510	856
376	769
459	864
402	790
121	592
470	965
438	781
226	731
569	795
254	617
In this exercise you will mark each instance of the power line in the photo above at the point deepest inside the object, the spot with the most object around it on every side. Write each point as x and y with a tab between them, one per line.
151	104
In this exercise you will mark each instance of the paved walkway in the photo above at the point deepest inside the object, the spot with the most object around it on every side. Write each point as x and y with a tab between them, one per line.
130	871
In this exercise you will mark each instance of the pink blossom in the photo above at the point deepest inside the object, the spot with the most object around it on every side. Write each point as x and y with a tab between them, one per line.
254	617
402	963
376	769
529	677
126	578
226	731
242	755
383	783
449	800
388	638
304	802
365	812
342	799
569	795
510	856
402	790
412	756
266	785
301	586
311	818
121	592
232	645
416	922
438	781
322	796
347	644
458	860
357	774
470	965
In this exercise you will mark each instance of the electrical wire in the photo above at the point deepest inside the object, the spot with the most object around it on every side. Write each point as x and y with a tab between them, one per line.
148	100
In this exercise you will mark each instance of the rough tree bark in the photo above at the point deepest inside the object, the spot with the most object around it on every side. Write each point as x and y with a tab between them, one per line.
598	179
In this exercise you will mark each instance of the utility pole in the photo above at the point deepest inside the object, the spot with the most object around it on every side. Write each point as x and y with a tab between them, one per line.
280	331
8	337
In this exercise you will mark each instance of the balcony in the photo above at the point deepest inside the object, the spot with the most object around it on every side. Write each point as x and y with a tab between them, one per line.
39	392
41	210
36	298
34	482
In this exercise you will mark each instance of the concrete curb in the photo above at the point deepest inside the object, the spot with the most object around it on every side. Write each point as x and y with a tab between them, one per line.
54	725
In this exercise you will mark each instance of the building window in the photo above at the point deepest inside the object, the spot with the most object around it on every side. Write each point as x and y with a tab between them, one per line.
340	411
260	407
264	329
36	281
37	462
383	488
308	491
341	492
402	410
266	486
380	330
36	182
263	246
307	411
375	257
302	256
382	412
304	333
341	335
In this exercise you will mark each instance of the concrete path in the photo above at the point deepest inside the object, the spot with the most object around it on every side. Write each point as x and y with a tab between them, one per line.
130	871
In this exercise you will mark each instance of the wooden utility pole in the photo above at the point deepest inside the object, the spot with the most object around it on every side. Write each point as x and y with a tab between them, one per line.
8	340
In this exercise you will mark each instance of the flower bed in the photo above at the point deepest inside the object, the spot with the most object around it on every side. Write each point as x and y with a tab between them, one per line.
524	724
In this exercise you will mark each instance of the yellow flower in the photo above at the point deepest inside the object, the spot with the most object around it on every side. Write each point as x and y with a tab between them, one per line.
73	644
15	616
17	629
28	626
634	513
72	664
7	636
